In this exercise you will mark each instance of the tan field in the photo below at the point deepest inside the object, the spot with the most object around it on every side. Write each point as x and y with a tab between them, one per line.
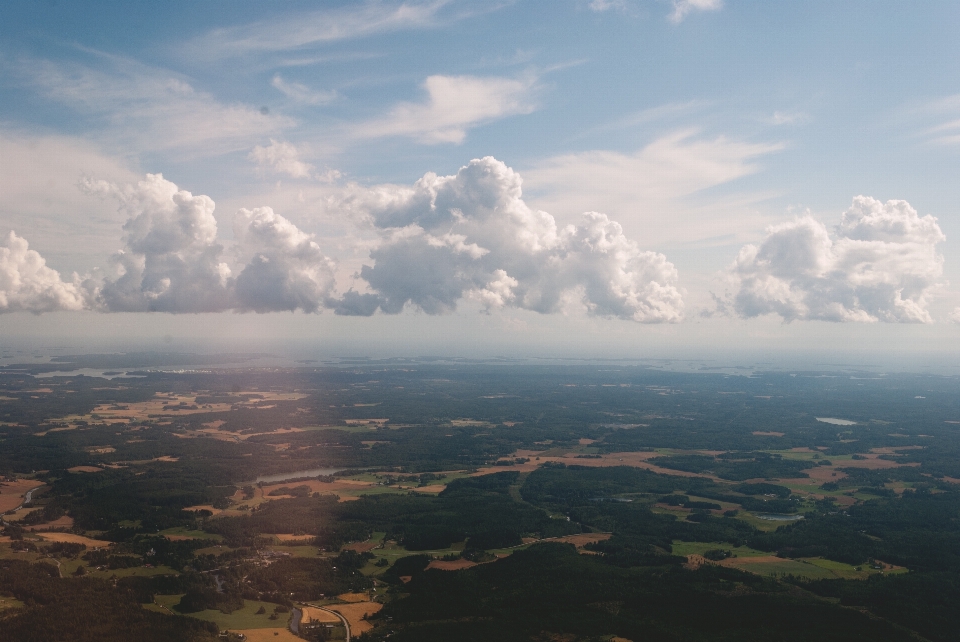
893	450
11	493
74	539
354	614
434	489
872	462
311	614
768	433
354	597
451	565
269	635
286	537
582	539
695	561
60	522
215	511
362	547
85	469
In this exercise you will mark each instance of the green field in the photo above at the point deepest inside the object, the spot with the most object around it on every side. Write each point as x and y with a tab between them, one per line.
245	618
797	568
699	548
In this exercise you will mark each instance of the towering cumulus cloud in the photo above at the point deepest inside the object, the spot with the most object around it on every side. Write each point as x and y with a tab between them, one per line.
287	272
878	265
448	238
472	236
27	284
172	261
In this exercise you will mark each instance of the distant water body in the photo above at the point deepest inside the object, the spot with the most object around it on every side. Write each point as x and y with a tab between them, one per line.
836	422
297	474
780	518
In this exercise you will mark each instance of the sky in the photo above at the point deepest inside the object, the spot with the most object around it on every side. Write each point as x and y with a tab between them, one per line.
574	178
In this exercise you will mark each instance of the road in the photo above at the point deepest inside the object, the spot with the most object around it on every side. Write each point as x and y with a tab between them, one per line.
346	625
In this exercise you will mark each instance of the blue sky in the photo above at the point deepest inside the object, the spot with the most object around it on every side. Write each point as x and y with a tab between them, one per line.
723	144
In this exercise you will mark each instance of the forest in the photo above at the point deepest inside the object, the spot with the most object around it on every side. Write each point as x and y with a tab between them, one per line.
477	501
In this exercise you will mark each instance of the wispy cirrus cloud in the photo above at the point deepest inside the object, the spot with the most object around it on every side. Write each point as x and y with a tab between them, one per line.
147	108
683	8
939	120
302	94
645	189
453	105
295	31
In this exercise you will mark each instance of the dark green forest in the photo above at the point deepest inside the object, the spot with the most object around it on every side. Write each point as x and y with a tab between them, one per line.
707	506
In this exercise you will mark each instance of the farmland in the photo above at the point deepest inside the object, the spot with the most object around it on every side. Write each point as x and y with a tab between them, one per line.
416	500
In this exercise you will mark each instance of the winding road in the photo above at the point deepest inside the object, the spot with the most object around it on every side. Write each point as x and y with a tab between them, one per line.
295	622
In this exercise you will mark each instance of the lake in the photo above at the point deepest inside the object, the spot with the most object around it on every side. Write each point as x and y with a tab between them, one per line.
836	422
282	477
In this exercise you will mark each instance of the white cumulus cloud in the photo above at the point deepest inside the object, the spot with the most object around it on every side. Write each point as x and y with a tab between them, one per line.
27	284
288	270
454	104
878	265
471	235
173	262
282	158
